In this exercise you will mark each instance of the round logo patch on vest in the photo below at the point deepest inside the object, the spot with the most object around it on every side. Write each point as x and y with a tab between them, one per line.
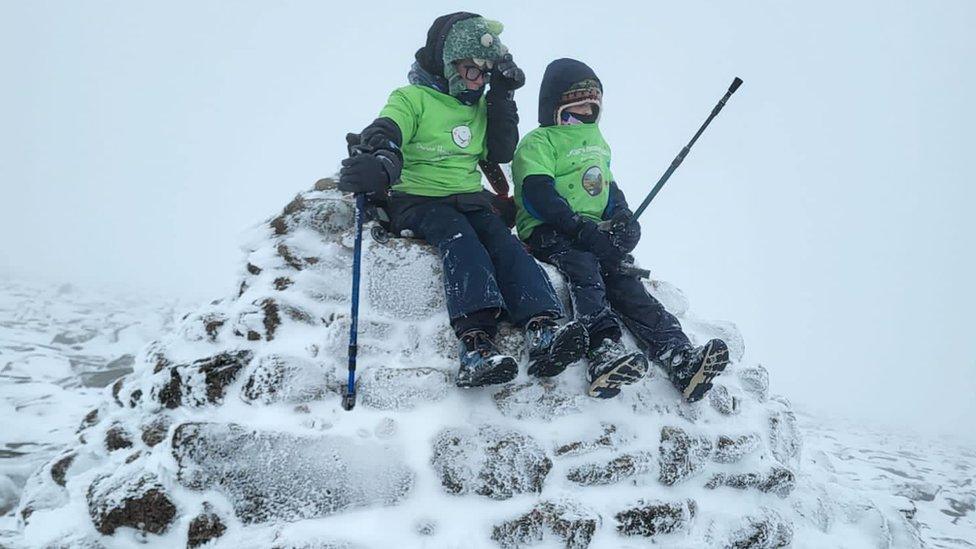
462	136
593	180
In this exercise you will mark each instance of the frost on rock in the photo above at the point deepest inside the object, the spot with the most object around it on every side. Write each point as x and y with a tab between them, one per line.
572	524
723	401
271	476
537	399
682	455
655	518
619	468
201	382
204	528
733	449
755	381
135	500
411	286
718	329
489	461
610	438
765	530
785	441
669	295
289	379
403	388
777	481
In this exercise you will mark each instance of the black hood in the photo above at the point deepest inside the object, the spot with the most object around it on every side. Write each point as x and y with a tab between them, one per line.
559	76
431	56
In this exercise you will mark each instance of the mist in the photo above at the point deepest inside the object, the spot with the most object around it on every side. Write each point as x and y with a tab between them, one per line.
826	211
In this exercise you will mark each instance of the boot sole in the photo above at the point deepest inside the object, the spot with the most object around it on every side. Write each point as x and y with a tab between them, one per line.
569	345
714	362
629	369
504	371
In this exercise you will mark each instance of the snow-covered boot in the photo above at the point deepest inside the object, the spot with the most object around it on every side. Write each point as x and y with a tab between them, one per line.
693	369
611	366
552	348
481	363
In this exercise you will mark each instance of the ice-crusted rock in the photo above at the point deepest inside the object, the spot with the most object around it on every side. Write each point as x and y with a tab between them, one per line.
682	455
617	469
723	401
154	431
785	440
59	470
655	518
567	521
489	461
135	500
777	480
9	494
538	399
765	530
403	388
733	449
289	379
755	381
205	527
201	382
117	438
276	476
408	268
610	438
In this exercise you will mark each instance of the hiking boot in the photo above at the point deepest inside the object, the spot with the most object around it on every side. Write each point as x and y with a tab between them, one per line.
552	348
693	369
481	363
611	366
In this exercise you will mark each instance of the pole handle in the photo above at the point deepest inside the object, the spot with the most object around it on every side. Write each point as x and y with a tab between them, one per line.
735	85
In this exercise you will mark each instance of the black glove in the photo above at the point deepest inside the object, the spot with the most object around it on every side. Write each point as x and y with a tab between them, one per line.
364	173
624	232
592	239
507	74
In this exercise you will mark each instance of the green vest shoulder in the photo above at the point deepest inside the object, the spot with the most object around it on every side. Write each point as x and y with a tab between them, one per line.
443	140
578	160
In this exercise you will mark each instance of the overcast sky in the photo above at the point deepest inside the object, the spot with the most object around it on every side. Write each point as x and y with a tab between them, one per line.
827	211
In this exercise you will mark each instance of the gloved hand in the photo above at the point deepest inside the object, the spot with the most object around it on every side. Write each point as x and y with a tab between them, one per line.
364	173
507	74
624	232
592	239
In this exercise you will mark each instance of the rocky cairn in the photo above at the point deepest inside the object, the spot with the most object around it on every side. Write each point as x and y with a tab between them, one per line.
230	430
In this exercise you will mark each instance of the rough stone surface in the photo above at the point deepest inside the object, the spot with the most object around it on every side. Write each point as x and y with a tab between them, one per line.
537	399
204	527
409	269
785	439
755	381
288	379
403	388
767	530
117	438
201	382
59	469
732	450
566	521
611	438
271	476
723	401
138	502
155	430
682	455
777	481
655	518
618	469
489	461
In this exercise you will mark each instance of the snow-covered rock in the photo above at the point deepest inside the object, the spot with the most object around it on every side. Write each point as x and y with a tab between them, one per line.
228	431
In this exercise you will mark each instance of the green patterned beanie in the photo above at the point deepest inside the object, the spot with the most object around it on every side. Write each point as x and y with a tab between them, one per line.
475	38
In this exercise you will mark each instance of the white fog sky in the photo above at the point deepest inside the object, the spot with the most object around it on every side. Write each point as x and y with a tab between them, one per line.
827	211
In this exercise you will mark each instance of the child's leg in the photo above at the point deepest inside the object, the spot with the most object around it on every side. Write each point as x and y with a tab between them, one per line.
657	330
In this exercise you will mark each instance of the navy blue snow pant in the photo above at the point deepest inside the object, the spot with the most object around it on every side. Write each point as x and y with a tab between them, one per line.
603	297
487	271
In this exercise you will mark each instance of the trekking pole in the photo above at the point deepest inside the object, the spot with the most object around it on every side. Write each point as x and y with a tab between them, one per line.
684	152
349	396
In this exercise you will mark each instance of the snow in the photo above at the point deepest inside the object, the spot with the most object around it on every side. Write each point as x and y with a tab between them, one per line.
418	462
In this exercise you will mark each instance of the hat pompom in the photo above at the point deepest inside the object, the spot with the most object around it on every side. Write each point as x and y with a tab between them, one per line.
494	27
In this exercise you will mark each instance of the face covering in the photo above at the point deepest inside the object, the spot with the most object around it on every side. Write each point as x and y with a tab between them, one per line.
571	118
470	97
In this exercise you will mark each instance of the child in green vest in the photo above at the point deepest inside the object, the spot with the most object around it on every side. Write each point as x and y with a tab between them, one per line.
563	189
423	151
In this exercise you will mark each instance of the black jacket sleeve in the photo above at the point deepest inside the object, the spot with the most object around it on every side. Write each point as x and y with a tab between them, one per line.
616	202
541	201
502	135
